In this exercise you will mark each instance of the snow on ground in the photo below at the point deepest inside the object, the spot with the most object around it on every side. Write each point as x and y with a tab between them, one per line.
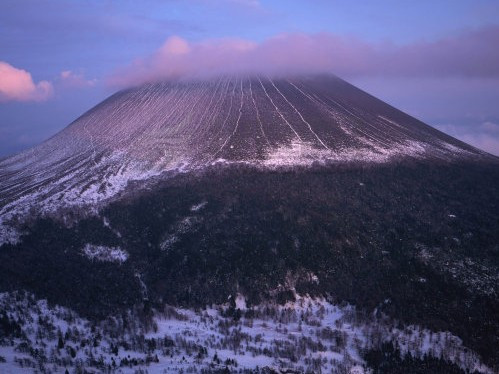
304	154
8	234
458	151
181	227
477	276
78	191
240	302
307	334
105	254
199	206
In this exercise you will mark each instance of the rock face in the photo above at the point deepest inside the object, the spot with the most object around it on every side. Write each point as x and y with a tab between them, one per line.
182	125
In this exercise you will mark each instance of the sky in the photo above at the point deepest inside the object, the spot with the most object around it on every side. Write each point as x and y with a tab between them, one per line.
436	60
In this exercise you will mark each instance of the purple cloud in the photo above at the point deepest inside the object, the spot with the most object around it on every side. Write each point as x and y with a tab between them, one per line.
471	54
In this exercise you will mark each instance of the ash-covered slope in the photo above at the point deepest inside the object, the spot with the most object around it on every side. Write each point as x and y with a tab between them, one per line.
165	126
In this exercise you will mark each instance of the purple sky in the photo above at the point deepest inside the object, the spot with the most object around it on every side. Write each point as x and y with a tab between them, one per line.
438	62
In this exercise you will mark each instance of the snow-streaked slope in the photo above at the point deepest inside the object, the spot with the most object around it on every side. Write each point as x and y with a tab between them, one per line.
180	126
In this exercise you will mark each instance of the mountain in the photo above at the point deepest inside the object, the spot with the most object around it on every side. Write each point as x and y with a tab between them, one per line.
287	224
184	125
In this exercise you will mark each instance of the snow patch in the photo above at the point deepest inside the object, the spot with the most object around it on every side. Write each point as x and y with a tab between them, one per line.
199	206
105	254
299	153
179	228
8	234
240	302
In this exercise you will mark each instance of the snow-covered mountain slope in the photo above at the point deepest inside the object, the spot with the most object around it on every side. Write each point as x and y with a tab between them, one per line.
185	125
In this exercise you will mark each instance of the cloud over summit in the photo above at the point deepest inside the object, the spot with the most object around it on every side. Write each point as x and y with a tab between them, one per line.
473	54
